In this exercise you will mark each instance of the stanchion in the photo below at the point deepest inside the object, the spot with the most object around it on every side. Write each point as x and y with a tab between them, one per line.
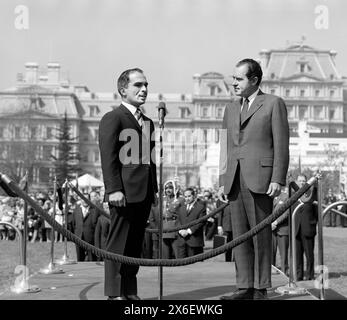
291	288
52	269
65	259
160	225
320	241
22	285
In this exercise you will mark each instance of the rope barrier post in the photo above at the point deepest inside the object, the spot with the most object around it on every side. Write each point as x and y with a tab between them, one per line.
65	259
160	225
51	268
291	287
23	286
320	241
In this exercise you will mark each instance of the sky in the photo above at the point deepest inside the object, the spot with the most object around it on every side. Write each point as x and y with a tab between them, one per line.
171	40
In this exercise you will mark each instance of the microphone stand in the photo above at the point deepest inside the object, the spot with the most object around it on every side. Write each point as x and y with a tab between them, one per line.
160	225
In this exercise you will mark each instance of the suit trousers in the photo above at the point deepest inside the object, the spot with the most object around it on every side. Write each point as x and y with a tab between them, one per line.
252	257
125	237
304	245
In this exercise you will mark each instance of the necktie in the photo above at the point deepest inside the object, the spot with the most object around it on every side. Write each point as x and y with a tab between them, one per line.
188	208
244	109
138	116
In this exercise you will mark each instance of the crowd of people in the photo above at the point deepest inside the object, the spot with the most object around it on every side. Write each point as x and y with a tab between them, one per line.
179	208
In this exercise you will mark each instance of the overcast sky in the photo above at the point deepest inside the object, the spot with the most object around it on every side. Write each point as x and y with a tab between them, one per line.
171	40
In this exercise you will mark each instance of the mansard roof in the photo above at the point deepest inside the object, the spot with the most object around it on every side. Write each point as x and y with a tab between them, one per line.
38	98
285	63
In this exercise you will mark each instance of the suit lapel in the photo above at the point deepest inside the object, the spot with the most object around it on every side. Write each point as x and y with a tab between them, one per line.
234	116
131	117
257	103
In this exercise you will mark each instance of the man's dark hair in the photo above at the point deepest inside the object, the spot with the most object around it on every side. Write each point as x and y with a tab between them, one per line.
254	69
191	190
123	79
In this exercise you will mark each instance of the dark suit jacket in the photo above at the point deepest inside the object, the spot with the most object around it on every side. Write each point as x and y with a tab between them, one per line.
282	221
101	232
125	151
84	227
260	144
306	218
196	239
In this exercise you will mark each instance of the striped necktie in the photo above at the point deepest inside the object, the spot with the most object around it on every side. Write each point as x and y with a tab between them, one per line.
138	116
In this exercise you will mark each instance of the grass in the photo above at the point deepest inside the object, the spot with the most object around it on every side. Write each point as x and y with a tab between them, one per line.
38	256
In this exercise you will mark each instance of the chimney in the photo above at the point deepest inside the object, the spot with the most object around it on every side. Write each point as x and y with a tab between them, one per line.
53	73
196	82
31	72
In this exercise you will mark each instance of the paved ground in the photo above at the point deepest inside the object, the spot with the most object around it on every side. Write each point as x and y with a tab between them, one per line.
201	281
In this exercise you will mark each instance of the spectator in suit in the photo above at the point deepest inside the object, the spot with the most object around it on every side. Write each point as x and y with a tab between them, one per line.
305	232
340	220
280	232
224	225
211	226
190	241
330	217
171	207
84	220
101	233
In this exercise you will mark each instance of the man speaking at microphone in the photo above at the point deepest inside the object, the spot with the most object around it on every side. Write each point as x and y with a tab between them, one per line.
130	180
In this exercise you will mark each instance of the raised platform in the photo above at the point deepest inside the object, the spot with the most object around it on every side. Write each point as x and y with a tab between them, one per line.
206	280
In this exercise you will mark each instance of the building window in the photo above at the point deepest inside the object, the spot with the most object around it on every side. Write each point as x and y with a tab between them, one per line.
318	112
44	175
220	112
302	67
272	75
17	132
96	156
302	93
49	133
287	92
303	112
290	111
272	91
213	90
332	114
204	112
93	110
47	152
332	93
317	93
216	136
1	132
33	133
96	134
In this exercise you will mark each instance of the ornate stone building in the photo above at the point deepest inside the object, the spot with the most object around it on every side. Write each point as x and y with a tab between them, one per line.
306	78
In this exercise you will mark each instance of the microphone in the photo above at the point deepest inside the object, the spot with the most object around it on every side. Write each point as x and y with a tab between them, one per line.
161	114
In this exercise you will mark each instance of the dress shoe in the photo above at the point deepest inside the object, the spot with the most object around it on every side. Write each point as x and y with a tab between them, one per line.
240	294
117	298
260	294
133	297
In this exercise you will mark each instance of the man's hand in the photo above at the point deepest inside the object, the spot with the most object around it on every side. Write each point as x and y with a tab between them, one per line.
183	233
117	199
221	193
273	225
220	230
274	189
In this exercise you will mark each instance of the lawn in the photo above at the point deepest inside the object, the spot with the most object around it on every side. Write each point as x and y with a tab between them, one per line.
38	256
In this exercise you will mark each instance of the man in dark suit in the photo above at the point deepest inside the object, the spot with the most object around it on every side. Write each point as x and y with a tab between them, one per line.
129	173
84	220
305	232
280	231
254	164
101	233
190	241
